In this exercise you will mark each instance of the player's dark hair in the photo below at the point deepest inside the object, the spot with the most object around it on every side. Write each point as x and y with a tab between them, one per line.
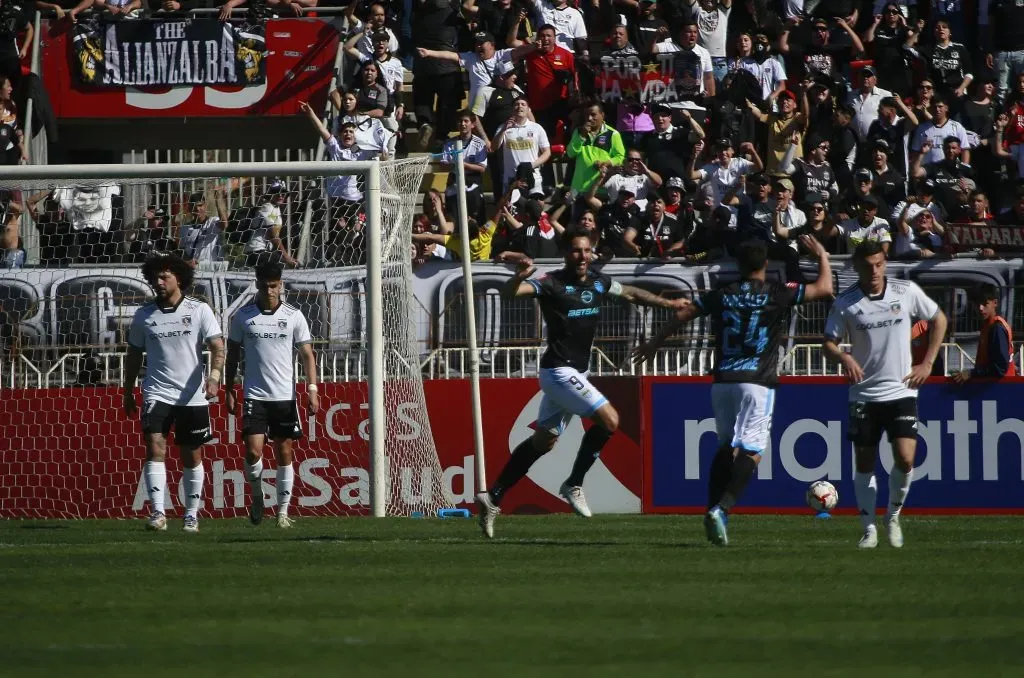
951	140
269	271
197	198
868	248
752	255
156	265
466	114
571	234
982	292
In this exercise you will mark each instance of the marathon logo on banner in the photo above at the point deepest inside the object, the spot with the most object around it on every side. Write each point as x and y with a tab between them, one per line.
162	53
647	79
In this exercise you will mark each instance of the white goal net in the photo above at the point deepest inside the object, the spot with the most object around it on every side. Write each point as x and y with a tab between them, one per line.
73	283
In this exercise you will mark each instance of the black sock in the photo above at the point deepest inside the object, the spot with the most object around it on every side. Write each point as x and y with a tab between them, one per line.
590	448
522	459
719	475
742	471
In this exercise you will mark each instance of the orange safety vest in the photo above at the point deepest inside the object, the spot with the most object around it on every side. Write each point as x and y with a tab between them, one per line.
981	359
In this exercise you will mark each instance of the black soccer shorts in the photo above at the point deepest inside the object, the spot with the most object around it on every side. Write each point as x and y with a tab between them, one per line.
278	419
898	418
191	422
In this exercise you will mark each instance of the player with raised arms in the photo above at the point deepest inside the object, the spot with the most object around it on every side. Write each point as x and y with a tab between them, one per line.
749	323
876	315
269	331
172	331
570	300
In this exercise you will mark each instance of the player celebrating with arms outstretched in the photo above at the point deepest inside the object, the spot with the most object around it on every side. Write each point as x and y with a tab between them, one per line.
876	315
749	321
172	331
570	300
269	330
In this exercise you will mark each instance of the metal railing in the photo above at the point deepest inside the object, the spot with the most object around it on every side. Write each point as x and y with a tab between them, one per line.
104	367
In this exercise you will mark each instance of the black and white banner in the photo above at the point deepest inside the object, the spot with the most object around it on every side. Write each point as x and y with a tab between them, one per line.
168	53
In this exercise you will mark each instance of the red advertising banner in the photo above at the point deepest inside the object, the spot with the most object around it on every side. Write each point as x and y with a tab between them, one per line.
71	452
299	67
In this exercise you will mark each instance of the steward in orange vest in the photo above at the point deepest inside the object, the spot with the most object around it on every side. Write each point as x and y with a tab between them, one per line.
994	358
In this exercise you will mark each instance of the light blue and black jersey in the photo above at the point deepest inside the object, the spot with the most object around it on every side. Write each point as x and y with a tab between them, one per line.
749	320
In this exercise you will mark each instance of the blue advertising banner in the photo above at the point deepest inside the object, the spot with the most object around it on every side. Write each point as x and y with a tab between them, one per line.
969	455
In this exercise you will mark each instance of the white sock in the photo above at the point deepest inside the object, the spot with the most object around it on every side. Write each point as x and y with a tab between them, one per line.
156	483
285	480
899	488
866	488
254	474
193	479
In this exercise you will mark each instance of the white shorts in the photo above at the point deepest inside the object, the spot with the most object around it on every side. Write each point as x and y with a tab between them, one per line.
743	415
567	392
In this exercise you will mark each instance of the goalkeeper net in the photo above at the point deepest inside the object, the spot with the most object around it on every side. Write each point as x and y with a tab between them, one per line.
73	283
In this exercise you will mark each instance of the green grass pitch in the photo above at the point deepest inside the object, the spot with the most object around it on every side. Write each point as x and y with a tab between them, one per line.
552	596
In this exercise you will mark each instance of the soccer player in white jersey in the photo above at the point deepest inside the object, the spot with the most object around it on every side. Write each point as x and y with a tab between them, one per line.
876	316
269	330
172	331
570	299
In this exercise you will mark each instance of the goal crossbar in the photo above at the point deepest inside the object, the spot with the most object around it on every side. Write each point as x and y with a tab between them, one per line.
185	170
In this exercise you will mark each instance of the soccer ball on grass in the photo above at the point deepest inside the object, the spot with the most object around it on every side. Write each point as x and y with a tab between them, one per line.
822	496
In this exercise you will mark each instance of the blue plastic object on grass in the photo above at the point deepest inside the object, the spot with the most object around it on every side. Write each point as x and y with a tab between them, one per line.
823	515
453	513
417	514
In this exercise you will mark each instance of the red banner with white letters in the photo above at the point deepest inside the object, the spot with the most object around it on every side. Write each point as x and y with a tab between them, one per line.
299	67
71	452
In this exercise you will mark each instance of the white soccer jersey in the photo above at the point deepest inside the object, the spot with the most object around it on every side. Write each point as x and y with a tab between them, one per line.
269	340
173	340
524	143
481	71
345	186
568	22
879	330
268	218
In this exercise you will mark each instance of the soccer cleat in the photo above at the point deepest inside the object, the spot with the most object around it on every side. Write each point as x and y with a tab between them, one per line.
578	502
869	540
895	532
284	522
714	526
256	509
486	513
191	524
157	522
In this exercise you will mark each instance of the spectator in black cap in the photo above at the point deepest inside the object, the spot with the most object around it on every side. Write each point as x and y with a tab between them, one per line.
614	219
668	146
657	233
865	101
922	196
889	184
866	225
723	173
947	173
893	130
760	204
863	185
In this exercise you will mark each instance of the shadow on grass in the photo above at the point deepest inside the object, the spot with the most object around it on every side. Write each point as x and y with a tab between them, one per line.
468	541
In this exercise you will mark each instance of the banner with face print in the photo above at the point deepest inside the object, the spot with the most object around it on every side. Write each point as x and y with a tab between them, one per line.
168	53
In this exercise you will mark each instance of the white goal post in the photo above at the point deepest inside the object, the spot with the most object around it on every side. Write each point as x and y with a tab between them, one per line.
383	204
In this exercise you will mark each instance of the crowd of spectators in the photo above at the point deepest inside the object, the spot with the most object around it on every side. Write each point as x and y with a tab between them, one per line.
846	120
669	128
